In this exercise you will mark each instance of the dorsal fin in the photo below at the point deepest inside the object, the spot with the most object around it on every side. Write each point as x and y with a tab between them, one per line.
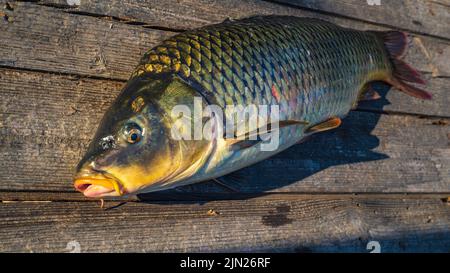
395	42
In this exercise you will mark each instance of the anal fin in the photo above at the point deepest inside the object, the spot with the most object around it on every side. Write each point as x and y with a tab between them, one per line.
369	93
329	124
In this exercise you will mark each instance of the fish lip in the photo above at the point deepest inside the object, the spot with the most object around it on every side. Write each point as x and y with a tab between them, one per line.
90	177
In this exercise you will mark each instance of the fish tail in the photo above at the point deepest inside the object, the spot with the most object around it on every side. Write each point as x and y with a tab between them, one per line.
395	43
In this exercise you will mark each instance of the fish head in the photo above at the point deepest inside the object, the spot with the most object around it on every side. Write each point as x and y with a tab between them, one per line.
134	149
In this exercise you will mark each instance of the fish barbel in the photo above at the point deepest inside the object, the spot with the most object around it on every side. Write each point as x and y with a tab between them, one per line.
313	71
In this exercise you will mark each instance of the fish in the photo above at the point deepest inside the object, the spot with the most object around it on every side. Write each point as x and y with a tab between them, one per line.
307	72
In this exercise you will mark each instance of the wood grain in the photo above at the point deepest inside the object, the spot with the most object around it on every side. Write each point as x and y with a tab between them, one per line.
48	39
422	16
426	54
378	177
298	223
47	121
122	44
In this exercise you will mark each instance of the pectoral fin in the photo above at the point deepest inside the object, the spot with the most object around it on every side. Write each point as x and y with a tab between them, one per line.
252	138
236	144
329	124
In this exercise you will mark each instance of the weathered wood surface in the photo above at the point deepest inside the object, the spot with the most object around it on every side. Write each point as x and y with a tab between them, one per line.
429	54
275	223
48	120
56	41
421	16
119	39
61	66
47	39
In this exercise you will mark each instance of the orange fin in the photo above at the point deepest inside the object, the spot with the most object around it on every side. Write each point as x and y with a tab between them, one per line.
396	43
329	124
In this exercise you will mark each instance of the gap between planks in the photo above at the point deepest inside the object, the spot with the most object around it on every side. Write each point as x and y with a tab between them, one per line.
8	197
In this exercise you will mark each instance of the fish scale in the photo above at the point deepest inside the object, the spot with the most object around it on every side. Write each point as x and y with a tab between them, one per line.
314	71
311	68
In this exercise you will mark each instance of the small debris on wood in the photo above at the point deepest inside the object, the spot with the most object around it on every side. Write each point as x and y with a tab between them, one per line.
73	2
8	6
27	201
212	212
102	203
72	111
435	71
440	122
115	205
5	17
430	8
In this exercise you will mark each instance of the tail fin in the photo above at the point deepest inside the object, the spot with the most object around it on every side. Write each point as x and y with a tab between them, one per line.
396	43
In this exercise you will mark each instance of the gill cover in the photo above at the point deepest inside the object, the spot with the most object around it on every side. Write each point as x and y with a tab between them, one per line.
133	150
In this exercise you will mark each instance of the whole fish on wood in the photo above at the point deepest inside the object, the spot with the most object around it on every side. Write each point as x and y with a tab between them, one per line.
313	71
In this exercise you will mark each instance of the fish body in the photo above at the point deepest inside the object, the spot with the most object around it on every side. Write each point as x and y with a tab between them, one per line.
313	71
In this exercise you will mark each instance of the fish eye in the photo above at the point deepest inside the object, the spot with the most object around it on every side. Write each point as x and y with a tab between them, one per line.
133	133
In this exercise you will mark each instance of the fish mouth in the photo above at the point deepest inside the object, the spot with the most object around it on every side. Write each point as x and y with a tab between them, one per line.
97	184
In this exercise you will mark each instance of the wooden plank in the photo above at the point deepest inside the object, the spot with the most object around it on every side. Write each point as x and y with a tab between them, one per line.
48	196
42	38
67	43
430	17
116	54
164	196
289	223
47	121
420	16
426	54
